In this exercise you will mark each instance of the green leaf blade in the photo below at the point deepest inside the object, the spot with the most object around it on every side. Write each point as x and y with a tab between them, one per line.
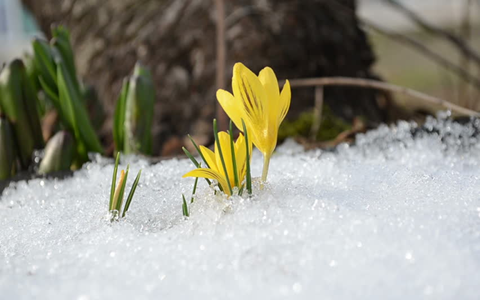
131	193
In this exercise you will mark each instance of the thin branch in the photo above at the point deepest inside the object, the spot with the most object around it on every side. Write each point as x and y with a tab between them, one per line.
379	85
465	31
456	41
418	46
421	48
221	60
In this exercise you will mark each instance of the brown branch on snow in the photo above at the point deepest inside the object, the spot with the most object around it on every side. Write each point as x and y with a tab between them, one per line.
379	85
221	61
456	41
421	48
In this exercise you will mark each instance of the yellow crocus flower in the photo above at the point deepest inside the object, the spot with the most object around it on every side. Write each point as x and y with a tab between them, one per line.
215	168
259	102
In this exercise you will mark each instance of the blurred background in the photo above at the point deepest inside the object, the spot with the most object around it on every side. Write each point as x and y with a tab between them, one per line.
428	45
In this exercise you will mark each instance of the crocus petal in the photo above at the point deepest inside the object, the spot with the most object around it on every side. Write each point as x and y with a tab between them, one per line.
211	174
248	88
285	97
224	139
269	81
241	156
232	107
209	157
249	91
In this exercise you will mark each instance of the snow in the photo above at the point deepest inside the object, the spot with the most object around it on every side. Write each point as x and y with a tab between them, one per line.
396	216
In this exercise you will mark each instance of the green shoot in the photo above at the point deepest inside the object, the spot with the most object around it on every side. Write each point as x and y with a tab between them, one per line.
132	192
249	176
198	150
119	117
194	189
117	191
232	148
185	207
195	162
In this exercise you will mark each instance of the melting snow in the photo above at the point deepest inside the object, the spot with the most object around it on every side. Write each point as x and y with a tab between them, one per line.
397	216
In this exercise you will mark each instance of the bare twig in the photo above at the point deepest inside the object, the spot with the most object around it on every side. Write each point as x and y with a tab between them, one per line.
421	48
379	85
416	45
221	60
456	41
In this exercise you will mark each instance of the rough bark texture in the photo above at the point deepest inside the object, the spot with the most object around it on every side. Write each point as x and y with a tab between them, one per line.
176	40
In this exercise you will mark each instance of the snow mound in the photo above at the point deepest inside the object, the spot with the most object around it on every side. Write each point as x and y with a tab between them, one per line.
396	216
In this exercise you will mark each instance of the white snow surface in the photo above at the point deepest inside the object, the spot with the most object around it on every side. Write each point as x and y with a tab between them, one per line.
397	216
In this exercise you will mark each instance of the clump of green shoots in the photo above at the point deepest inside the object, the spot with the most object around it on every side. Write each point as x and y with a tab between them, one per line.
132	125
57	75
7	150
116	207
19	107
47	81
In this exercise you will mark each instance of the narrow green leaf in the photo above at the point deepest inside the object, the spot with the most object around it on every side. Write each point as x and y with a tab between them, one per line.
7	150
119	118
131	193
61	42
249	176
194	189
240	191
52	95
114	182
185	207
32	111
75	112
215	132
234	160
189	155
198	150
13	106
67	97
139	109
45	63
195	162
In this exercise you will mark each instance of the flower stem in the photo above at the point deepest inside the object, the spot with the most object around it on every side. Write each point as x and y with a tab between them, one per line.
266	163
